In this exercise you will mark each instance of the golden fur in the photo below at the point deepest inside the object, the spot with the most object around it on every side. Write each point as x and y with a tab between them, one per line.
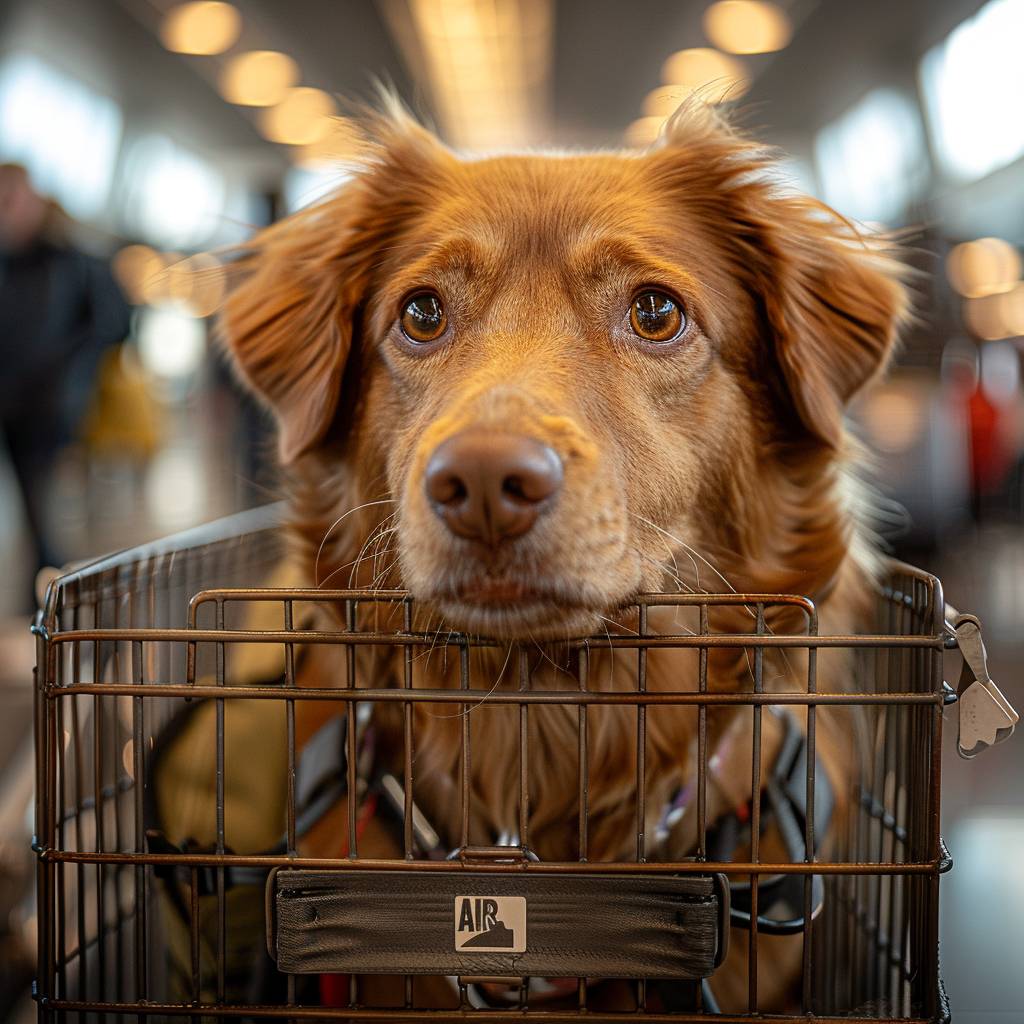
718	463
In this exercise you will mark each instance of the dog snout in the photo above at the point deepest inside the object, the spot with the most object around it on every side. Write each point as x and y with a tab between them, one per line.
491	487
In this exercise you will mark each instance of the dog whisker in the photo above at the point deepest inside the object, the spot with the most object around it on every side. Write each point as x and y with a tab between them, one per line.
334	526
497	682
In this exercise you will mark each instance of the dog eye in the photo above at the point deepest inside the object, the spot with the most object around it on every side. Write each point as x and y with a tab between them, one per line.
423	318
654	316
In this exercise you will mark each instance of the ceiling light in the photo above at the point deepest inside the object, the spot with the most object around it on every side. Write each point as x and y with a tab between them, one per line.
202	27
872	159
984	318
198	283
747	26
137	267
982	267
664	101
972	84
486	63
1011	310
259	78
643	131
302	117
714	77
342	142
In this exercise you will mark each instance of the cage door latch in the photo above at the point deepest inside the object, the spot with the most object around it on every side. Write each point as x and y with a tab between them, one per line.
986	716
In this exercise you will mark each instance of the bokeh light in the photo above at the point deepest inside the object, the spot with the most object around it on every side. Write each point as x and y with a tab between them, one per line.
894	420
983	266
259	78
341	143
747	26
303	117
204	27
984	317
663	101
1011	310
197	283
138	269
643	131
172	344
713	76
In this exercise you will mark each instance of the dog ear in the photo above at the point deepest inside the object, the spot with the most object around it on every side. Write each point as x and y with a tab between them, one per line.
288	321
833	301
832	298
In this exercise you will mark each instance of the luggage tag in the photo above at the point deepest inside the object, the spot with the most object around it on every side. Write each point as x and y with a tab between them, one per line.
986	716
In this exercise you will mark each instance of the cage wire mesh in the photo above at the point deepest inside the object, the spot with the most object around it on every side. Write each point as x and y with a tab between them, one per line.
133	922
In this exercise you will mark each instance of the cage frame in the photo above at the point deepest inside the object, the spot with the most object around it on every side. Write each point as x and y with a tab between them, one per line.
59	684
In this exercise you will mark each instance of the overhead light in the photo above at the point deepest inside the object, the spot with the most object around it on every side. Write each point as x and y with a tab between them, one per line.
65	135
1011	310
996	316
982	267
342	142
872	159
302	117
747	26
986	317
643	131
202	27
663	101
259	78
972	85
172	343
170	196
712	76
486	62
894	420
198	284
137	268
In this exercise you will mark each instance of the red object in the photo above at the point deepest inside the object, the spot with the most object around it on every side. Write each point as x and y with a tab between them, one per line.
334	987
991	457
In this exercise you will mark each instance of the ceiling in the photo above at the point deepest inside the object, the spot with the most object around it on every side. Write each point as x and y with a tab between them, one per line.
608	55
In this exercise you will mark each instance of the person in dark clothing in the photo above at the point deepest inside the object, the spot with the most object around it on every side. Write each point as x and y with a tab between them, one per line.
59	310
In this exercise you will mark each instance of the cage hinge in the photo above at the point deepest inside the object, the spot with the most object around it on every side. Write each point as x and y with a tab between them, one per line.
986	717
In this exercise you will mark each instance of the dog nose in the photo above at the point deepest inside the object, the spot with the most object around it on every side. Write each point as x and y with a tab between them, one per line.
490	487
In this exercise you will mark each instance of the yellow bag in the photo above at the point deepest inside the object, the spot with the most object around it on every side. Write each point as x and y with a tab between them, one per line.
125	418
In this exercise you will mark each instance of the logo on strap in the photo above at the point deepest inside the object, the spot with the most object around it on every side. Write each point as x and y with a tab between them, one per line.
490	924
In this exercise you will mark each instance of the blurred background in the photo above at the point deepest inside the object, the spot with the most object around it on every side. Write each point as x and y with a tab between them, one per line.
138	138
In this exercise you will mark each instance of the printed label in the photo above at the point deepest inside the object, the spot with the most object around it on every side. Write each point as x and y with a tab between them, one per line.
490	924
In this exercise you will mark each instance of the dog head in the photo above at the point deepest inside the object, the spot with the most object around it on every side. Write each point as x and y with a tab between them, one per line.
556	371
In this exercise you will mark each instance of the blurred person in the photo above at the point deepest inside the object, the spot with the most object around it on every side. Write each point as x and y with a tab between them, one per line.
59	310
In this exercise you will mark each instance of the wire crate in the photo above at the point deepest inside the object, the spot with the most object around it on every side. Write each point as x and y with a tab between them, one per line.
131	924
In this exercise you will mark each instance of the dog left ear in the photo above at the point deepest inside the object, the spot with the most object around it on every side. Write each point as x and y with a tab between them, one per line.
287	324
834	303
831	298
289	318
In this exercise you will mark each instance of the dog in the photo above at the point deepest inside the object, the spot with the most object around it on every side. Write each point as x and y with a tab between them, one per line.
529	388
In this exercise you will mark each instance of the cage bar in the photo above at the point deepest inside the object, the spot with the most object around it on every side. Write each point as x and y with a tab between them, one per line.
128	643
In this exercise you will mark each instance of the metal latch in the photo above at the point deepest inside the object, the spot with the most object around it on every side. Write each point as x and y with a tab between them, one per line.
986	716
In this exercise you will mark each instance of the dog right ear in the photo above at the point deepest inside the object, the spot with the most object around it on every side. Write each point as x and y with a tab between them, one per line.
287	323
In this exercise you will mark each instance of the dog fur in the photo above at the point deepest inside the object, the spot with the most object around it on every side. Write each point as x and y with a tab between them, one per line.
718	463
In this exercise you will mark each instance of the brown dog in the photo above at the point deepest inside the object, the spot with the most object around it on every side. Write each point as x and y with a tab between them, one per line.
528	388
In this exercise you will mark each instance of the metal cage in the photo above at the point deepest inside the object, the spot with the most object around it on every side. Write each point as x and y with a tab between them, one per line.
126	643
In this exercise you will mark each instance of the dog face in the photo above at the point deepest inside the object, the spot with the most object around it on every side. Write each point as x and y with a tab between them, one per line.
562	370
